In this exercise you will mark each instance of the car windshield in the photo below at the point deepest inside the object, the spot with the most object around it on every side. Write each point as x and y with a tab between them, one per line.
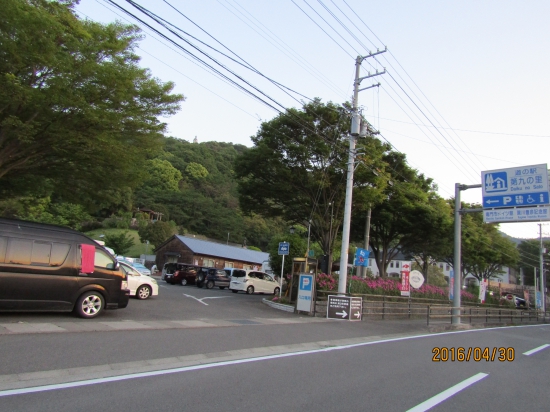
129	270
239	274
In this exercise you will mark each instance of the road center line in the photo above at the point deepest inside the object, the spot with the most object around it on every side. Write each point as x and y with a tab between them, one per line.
530	352
437	399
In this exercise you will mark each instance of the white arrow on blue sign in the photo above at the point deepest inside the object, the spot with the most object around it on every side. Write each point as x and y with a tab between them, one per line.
517	186
284	248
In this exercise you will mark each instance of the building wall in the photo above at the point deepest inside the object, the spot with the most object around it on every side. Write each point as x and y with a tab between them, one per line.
176	251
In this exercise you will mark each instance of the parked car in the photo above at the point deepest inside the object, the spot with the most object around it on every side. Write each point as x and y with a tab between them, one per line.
52	268
184	274
168	269
253	281
141	286
231	271
211	277
141	269
518	301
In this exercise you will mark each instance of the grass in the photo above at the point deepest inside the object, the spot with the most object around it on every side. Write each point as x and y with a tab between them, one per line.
136	250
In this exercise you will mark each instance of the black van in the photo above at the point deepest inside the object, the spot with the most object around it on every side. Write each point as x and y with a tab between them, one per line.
51	268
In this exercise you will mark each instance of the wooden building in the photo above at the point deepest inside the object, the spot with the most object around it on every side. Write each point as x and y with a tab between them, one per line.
183	249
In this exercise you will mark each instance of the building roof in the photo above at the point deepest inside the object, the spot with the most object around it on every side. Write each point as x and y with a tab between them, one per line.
205	247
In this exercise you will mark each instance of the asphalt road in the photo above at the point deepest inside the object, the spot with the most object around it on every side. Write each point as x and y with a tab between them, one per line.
245	356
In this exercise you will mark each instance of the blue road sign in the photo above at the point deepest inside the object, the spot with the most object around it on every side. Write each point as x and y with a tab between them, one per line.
517	186
524	199
284	248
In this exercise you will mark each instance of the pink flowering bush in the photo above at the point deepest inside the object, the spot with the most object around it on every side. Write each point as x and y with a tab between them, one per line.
327	282
388	287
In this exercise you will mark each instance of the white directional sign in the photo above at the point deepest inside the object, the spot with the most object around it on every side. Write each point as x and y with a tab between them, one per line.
517	186
519	214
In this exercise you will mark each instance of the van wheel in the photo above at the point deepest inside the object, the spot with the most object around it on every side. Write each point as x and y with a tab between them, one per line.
143	292
250	290
221	287
183	282
89	305
234	291
209	284
276	291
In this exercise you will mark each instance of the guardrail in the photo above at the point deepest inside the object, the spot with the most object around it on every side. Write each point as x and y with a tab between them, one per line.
403	307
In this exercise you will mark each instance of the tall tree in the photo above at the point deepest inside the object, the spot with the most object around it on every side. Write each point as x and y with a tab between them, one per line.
529	258
485	251
75	109
405	204
297	169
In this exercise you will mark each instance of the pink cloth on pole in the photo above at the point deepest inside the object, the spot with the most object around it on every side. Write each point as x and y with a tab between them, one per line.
88	258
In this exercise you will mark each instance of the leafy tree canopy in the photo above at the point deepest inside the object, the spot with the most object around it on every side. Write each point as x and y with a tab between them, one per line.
296	170
77	112
121	243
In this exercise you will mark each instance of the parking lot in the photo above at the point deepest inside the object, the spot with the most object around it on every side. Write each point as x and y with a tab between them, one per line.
174	303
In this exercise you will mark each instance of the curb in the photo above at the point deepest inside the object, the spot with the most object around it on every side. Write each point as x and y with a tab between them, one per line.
279	306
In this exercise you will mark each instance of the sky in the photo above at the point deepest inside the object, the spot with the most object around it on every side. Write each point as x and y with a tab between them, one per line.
465	88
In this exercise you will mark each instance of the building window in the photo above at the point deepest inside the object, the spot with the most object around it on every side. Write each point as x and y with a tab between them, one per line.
391	264
208	263
396	264
229	264
447	268
247	267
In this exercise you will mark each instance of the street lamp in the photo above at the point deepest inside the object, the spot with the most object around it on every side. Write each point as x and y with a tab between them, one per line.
292	230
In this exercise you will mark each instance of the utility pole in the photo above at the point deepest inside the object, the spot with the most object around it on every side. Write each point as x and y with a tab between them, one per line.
367	239
457	265
355	130
541	272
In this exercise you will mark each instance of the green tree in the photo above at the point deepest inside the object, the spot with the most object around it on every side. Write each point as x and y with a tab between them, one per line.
298	247
162	175
76	110
394	220
485	251
297	169
156	232
529	258
121	243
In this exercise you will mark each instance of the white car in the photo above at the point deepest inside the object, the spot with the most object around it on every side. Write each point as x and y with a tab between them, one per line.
141	286
141	269
253	281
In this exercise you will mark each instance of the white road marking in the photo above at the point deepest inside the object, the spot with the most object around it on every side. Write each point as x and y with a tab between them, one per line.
88	382
208	297
530	352
437	399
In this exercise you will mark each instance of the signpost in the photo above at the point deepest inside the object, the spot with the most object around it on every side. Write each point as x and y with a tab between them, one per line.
344	307
284	249
517	186
523	214
416	279
405	284
306	288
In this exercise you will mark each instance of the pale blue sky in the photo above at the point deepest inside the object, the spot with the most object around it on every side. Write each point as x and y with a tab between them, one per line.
477	69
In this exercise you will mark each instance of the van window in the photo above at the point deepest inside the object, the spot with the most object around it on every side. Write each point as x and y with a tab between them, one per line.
60	251
19	251
3	246
103	260
41	252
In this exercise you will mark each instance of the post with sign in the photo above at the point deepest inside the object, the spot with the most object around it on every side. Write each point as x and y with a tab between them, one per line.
344	307
284	249
405	285
306	293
